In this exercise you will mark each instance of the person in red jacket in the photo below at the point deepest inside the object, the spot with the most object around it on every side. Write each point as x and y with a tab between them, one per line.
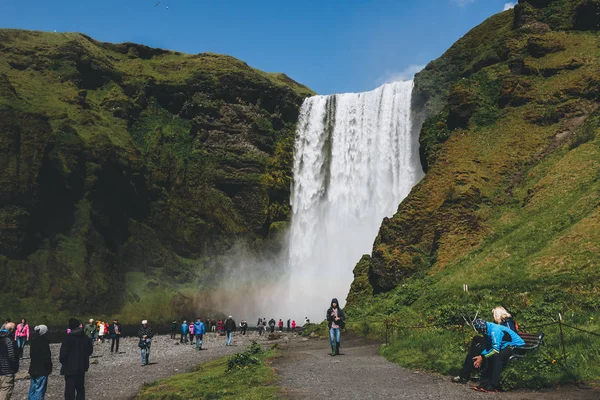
280	324
220	325
293	325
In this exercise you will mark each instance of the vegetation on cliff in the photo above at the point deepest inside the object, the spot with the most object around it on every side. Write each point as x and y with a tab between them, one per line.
510	202
124	168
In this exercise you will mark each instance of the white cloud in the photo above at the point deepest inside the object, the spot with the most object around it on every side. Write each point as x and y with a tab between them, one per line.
508	6
463	3
395	76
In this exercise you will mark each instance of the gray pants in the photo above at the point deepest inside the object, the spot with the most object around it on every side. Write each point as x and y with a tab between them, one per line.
7	384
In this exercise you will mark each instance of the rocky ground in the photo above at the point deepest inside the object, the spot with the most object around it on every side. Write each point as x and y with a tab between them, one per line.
120	376
308	372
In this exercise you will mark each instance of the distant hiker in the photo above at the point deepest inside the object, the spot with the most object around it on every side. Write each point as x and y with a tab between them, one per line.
479	343
184	332
259	323
229	328
289	325
272	325
293	325
89	329
115	335
243	326
101	331
199	331
191	330
492	359
213	325
145	335
306	321
264	326
336	321
173	329
41	363
22	336
9	360
75	352
220	325
280	324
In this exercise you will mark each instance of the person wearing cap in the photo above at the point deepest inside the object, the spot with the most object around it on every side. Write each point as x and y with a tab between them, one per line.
9	360
75	352
199	331
41	363
114	330
336	321
493	358
89	329
145	335
230	327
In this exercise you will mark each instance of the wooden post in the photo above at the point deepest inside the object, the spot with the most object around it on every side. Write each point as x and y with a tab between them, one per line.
386	332
562	339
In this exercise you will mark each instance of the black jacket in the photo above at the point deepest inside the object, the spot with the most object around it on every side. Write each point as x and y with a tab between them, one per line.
75	352
341	323
145	331
41	358
230	325
111	329
9	354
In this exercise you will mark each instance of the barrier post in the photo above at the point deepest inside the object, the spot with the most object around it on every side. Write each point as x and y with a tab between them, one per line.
386	331
562	339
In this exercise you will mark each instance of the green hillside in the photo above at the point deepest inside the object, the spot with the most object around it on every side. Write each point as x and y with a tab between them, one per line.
510	201
124	169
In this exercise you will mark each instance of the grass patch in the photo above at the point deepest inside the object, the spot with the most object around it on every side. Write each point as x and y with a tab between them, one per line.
216	380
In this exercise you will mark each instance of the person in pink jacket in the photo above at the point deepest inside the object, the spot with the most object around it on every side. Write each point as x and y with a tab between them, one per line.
22	336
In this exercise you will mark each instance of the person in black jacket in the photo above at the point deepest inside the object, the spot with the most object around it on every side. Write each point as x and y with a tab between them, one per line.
114	330
272	325
229	328
75	352
145	335
41	363
9	360
336	321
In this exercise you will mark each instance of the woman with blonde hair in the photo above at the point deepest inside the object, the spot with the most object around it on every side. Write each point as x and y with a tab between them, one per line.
503	317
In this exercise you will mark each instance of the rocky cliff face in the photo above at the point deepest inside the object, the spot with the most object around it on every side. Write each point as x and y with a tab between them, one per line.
509	204
119	160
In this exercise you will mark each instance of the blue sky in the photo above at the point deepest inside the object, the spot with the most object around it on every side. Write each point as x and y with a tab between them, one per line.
330	45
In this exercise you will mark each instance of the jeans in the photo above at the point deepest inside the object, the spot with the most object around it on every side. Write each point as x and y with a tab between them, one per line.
334	336
7	384
229	336
183	338
37	388
115	339
146	354
21	344
198	341
75	383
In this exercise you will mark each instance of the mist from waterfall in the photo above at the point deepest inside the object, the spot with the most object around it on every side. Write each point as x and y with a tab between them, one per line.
355	159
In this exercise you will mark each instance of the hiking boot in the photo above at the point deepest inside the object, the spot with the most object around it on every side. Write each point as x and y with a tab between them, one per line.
485	388
337	349
333	353
460	379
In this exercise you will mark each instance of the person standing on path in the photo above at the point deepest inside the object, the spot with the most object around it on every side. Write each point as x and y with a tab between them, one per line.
9	360
293	325
22	336
145	335
173	329
229	328
115	335
220	326
75	352
89	329
41	363
243	326
199	331
336	321
280	324
191	329
289	323
184	332
101	331
272	325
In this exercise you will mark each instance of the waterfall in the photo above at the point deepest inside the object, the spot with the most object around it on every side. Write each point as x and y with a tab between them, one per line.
355	159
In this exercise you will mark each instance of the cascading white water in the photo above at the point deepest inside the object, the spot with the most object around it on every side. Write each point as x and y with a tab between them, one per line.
355	160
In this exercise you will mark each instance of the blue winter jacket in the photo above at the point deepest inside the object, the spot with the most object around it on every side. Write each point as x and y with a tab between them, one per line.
199	328
496	333
184	328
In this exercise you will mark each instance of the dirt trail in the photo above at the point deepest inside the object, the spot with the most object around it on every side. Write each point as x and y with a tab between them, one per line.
309	372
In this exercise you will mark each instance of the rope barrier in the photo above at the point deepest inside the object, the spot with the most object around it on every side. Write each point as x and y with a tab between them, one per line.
581	330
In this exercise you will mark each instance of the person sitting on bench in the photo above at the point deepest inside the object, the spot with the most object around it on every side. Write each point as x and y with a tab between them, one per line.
479	343
492	359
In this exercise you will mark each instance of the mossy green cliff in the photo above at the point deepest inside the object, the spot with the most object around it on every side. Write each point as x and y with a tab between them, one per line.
510	201
120	161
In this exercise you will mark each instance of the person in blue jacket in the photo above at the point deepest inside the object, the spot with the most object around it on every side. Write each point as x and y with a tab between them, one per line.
184	332
493	358
199	331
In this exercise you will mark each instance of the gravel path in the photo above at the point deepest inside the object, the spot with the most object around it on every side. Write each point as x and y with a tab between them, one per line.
308	372
120	376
